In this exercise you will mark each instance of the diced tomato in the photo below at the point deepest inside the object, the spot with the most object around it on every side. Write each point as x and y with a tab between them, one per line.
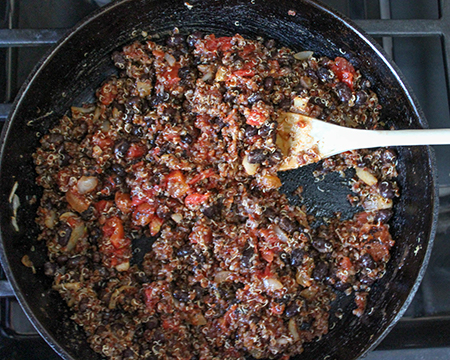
256	118
346	263
107	94
103	206
343	70
155	225
244	73
77	201
144	196
176	184
136	150
123	202
277	309
201	176
102	141
170	76
158	53
267	255
222	43
143	214
113	229
195	199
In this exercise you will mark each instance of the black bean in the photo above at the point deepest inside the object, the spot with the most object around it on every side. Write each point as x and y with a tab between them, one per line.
268	130
55	138
288	225
119	170
269	83
341	286
96	257
121	148
95	233
297	257
64	234
142	278
323	74
247	256
87	214
320	272
212	211
386	189
229	96
286	60
322	245
285	257
250	131
75	261
305	326
343	92
270	214
62	259
315	100
368	262
383	215
285	104
183	72
186	139
175	40
194	37
181	295
119	59
270	43
152	323
275	157
64	158
366	280
361	98
134	102
254	98
83	305
311	74
388	156
257	156
128	354
50	269
185	250
292	310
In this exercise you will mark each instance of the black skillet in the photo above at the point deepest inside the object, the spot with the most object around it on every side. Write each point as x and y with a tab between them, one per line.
79	62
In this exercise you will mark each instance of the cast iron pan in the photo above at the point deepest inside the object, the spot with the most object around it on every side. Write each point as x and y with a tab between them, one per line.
81	60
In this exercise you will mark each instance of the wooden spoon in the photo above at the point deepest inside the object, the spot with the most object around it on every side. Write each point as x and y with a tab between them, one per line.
305	140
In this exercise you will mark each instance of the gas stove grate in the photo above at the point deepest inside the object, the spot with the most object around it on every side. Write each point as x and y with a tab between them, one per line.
412	331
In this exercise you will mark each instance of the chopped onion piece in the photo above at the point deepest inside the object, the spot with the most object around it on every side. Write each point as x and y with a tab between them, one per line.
250	169
303	55
13	192
177	218
87	184
170	59
222	276
272	284
280	233
123	266
366	176
15	204
293	329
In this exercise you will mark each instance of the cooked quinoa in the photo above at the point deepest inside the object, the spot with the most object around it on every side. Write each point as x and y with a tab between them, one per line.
179	155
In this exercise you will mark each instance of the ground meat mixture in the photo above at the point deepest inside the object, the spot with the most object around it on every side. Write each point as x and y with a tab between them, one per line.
179	156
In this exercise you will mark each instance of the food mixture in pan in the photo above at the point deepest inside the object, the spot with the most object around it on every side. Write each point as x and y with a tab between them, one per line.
179	155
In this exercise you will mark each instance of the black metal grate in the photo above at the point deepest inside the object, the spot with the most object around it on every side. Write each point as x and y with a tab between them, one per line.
414	330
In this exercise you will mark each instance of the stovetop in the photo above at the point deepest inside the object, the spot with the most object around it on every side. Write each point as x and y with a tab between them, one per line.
415	33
